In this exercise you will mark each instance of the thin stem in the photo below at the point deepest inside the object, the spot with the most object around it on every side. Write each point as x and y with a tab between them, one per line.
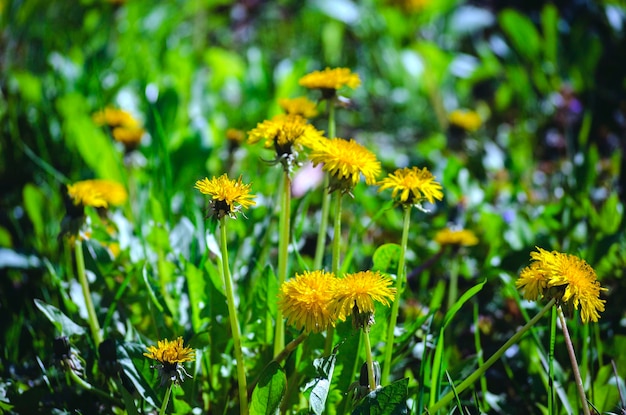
400	282
572	358
166	399
283	252
369	360
330	332
88	386
480	358
234	323
551	396
453	288
321	235
82	278
494	358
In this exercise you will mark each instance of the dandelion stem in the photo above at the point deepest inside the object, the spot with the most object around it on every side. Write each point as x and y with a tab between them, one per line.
368	359
283	252
330	332
82	278
572	358
552	396
321	235
88	386
234	323
453	288
494	358
400	280
166	399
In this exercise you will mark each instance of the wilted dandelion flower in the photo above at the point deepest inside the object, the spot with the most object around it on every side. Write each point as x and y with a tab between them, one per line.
458	237
228	197
412	185
301	106
170	354
330	80
306	299
567	278
346	161
356	294
465	119
288	135
98	193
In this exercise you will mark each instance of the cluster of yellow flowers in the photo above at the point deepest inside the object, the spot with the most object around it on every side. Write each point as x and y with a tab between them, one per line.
317	300
566	278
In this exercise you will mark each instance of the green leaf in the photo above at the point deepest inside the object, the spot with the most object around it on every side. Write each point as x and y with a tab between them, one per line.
459	303
94	146
390	400
386	258
611	215
197	296
34	202
269	391
65	325
520	30
321	385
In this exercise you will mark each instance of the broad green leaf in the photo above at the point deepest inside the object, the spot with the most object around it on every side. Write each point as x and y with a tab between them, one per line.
269	390
137	372
197	296
389	400
611	214
321	385
94	146
549	26
523	35
29	85
386	258
65	325
34	203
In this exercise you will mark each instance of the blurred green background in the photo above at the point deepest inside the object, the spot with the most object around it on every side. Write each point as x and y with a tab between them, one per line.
543	168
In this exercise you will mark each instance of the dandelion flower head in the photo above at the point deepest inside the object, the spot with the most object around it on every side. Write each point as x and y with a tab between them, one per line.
124	127
169	354
330	80
356	294
565	277
465	119
99	193
412	185
301	106
346	161
286	134
459	237
306	299
228	197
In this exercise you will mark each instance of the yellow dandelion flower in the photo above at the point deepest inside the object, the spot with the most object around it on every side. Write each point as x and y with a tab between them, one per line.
565	277
465	119
227	196
305	301
169	354
346	161
98	193
235	136
301	106
459	237
330	80
285	133
114	117
129	136
356	293
413	185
